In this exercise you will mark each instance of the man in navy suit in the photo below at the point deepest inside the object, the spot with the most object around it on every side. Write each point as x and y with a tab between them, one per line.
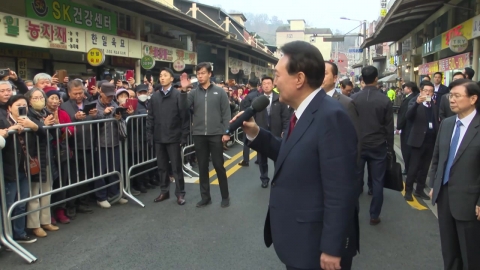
312	219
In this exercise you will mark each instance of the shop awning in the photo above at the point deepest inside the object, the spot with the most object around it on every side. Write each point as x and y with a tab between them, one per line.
389	78
161	12
402	18
250	50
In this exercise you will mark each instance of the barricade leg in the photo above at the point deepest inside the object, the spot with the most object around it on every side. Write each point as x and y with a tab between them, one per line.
183	165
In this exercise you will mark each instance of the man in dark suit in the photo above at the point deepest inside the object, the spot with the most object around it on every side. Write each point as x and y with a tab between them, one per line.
444	110
274	119
247	102
440	89
455	178
312	219
424	126
411	91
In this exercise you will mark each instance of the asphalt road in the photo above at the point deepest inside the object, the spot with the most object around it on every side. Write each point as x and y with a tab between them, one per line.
167	236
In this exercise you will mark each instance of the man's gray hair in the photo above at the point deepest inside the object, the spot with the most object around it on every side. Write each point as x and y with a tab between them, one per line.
6	83
41	76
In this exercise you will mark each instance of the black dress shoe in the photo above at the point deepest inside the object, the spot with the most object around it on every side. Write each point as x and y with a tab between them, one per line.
243	163
256	162
162	197
154	183
374	221
180	200
204	202
264	184
408	197
225	203
422	195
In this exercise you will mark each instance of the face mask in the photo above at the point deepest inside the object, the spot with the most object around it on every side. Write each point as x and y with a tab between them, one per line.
14	93
122	100
143	98
30	87
38	105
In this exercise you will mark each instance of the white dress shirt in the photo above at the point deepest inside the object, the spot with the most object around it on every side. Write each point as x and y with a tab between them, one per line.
331	92
463	128
298	113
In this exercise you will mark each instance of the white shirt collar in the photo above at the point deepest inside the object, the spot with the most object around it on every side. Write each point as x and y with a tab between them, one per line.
331	92
304	104
467	119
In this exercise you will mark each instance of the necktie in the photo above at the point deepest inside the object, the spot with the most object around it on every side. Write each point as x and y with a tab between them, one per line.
428	104
269	104
452	152
293	121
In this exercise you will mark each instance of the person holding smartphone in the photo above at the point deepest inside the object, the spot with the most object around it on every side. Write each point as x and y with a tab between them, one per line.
109	150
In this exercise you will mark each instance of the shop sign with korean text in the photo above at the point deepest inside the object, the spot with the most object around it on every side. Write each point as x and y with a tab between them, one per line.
456	62
476	27
168	54
23	31
95	57
383	8
111	45
432	46
68	13
464	29
428	68
147	62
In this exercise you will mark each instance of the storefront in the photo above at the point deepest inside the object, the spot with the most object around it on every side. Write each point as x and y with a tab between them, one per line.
447	66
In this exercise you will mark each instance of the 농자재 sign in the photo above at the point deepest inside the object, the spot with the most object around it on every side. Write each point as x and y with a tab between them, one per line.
168	54
68	13
95	57
23	31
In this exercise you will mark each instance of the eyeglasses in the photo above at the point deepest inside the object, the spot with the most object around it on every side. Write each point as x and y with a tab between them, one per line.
455	97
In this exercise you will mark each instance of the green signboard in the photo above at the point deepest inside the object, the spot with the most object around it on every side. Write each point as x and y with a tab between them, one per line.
147	62
71	14
432	46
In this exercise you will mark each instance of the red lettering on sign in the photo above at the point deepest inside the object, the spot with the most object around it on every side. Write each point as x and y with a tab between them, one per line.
454	32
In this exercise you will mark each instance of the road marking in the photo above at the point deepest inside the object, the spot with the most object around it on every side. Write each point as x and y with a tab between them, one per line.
415	204
191	180
225	164
234	169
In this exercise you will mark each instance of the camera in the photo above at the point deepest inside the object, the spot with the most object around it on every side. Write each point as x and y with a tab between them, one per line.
4	72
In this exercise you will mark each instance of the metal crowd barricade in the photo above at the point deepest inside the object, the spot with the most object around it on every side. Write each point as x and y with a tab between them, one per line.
53	157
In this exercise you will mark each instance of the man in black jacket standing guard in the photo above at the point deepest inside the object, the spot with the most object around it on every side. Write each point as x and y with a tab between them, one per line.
247	102
167	128
411	91
274	119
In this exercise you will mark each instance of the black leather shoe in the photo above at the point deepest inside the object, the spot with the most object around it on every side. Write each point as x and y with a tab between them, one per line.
244	163
162	197
408	197
204	203
225	203
181	200
264	184
422	195
154	183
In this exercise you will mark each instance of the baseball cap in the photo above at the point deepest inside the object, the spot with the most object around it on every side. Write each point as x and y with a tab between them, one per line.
108	89
121	90
141	87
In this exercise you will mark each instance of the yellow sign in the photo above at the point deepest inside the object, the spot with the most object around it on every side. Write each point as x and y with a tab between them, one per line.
383	12
95	57
464	29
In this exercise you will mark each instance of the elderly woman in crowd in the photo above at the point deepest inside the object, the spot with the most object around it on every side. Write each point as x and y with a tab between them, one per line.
40	221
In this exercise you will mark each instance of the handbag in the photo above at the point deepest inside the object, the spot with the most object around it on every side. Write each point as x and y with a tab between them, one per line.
122	129
393	174
34	163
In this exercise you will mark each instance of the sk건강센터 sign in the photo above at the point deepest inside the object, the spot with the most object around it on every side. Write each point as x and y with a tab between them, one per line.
67	13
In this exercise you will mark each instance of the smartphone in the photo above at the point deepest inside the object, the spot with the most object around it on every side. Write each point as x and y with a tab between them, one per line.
88	107
91	83
61	74
131	102
129	74
120	110
116	78
193	80
429	99
22	112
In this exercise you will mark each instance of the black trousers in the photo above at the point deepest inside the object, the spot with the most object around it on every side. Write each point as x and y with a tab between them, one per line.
206	146
460	240
420	160
246	150
376	159
406	150
263	166
170	152
345	263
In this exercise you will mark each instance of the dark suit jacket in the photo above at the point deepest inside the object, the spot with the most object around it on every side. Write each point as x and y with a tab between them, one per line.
312	200
444	110
82	131
402	123
464	181
442	90
416	114
279	117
